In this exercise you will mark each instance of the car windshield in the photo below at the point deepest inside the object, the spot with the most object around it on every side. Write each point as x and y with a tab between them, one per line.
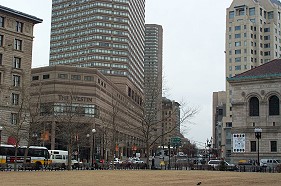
214	162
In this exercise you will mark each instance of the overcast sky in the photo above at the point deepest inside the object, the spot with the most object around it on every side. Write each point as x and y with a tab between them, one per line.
193	53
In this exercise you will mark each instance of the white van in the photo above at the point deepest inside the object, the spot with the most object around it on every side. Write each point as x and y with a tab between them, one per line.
60	156
270	163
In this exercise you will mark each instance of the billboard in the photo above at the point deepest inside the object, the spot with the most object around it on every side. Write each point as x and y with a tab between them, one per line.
238	145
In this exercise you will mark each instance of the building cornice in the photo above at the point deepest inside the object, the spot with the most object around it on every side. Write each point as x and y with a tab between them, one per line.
21	14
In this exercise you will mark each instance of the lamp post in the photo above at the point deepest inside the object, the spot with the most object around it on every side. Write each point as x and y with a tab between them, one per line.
89	148
1	128
93	149
258	132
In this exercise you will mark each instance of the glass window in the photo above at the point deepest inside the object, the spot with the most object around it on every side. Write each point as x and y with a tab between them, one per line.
237	27
231	14
46	76
1	40
267	53
15	99
17	62
1	21
16	80
14	118
267	37
273	103
238	43
266	29
238	67
88	78
62	76
238	59
19	26
1	59
238	52
252	11
270	15
253	146
273	146
34	78
237	35
18	44
267	45
254	106
76	77
241	12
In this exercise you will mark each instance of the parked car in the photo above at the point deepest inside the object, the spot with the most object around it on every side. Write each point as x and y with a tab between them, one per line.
136	160
116	161
215	164
273	163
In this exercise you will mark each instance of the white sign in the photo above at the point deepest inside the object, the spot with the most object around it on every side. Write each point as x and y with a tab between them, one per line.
238	143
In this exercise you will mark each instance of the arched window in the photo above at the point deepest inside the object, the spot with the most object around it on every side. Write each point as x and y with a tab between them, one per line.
254	106
273	105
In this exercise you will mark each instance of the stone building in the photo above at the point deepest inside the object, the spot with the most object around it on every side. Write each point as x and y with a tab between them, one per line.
252	38
170	120
16	38
77	100
256	104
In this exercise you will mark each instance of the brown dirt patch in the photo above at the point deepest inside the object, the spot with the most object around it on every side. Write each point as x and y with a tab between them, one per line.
138	178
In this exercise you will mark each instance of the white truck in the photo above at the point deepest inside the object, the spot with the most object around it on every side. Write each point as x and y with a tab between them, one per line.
61	156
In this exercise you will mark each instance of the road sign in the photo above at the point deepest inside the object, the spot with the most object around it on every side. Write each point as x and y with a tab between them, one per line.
176	141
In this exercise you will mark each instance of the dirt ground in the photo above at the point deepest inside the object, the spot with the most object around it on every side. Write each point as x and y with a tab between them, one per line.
137	178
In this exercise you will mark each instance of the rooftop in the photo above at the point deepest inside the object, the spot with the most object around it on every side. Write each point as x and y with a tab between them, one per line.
21	14
269	69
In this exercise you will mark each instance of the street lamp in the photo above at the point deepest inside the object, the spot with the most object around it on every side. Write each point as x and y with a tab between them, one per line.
89	148
1	128
93	149
258	132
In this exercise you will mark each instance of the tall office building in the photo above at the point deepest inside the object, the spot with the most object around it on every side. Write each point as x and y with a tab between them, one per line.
16	38
253	37
153	72
104	34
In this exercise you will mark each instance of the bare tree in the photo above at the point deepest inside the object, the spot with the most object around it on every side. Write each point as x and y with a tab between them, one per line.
18	125
152	126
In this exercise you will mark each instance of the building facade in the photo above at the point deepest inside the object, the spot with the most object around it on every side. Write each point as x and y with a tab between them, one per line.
16	38
256	104
219	101
75	100
170	120
253	37
153	74
105	34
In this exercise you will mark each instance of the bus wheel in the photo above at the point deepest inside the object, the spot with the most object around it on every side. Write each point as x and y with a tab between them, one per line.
63	166
38	165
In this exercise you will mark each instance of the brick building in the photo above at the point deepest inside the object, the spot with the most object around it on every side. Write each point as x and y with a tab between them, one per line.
16	38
